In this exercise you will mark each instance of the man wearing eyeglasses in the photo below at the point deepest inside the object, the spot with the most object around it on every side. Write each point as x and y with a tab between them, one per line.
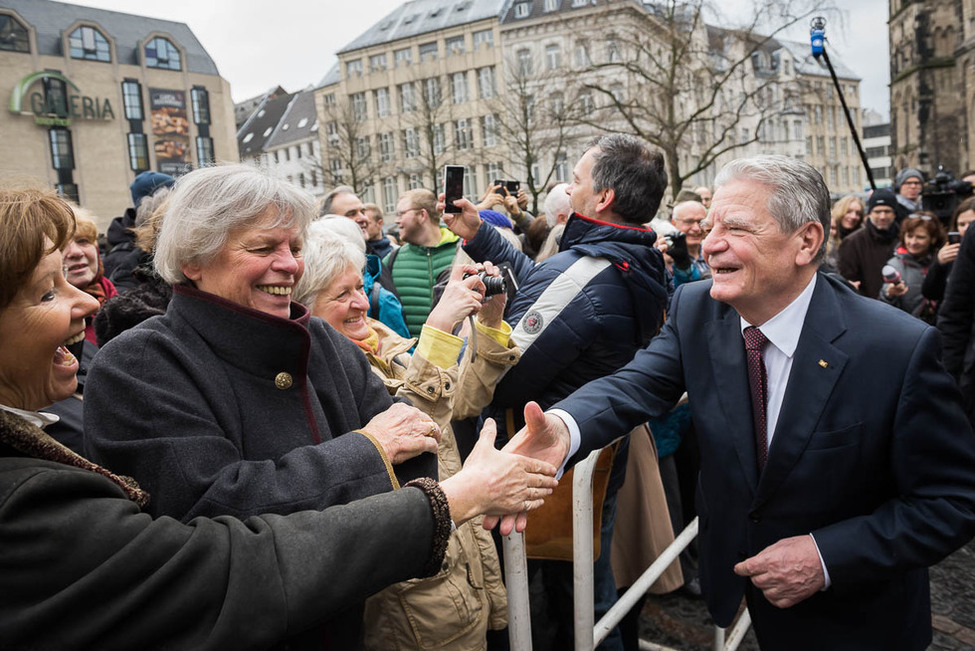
687	217
908	183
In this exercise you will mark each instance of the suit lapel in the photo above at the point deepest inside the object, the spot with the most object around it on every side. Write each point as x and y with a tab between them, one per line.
816	367
727	354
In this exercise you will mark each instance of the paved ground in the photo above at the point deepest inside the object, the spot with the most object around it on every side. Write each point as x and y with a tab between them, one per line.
678	622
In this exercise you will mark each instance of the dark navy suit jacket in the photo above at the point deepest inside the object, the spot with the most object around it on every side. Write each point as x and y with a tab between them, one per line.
872	454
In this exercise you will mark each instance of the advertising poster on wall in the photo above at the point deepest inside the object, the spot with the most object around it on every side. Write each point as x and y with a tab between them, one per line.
171	129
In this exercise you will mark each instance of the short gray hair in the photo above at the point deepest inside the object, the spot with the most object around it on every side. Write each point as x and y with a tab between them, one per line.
797	192
327	255
686	204
555	202
208	203
330	197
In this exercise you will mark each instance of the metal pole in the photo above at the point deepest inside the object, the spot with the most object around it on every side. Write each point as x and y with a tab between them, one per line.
516	581
582	552
849	120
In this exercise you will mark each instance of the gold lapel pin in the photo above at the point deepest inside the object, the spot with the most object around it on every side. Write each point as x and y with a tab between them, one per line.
823	363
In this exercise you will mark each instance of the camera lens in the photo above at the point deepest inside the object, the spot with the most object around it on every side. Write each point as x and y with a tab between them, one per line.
493	285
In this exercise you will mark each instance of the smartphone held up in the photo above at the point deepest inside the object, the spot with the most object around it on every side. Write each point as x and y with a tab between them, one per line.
453	186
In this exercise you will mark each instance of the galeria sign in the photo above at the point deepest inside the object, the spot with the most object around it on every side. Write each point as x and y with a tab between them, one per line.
53	108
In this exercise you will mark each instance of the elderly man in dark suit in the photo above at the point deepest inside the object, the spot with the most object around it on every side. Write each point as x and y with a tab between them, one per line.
836	461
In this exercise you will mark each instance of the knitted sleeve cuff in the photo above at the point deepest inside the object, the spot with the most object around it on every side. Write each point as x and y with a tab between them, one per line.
441	522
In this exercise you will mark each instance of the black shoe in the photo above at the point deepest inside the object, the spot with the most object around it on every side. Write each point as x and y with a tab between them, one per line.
691	589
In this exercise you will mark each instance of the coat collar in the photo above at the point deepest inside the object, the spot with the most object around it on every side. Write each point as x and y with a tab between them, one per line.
815	369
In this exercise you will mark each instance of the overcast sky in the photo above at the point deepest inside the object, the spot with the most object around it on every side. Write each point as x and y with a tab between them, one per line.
258	44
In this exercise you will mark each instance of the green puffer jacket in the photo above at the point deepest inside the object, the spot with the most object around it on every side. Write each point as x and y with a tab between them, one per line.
411	271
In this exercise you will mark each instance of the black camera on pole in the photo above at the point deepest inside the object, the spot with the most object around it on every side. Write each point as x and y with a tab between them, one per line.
942	194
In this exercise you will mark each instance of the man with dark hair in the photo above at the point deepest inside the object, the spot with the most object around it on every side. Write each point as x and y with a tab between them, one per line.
864	252
583	313
836	460
376	241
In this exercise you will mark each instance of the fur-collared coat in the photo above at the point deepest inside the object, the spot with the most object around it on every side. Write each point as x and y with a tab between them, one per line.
82	567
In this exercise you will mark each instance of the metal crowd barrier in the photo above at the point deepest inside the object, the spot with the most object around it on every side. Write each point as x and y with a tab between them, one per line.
588	633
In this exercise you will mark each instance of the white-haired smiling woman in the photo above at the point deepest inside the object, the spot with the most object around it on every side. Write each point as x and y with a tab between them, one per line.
236	401
456	608
83	567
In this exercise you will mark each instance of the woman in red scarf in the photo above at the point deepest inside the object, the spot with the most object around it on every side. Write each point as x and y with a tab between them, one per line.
83	266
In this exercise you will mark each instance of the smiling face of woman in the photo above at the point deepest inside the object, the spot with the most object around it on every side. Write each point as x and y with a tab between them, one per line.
36	370
80	261
256	268
343	305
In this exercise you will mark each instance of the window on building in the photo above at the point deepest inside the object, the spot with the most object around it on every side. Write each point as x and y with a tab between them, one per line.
561	167
463	136
492	172
485	82
287	154
416	181
382	102
329	99
353	68
390	195
553	57
470	182
298	151
483	38
455	45
431	92
331	134
458	85
161	53
557	104
335	169
612	50
821	145
132	101
809	150
403	57
411	143
138	152
55	97
843	146
201	105
311	149
14	37
797	130
62	150
387	148
830	118
314	178
68	191
407	97
524	58
204	151
360	111
490	131
582	54
301	179
276	159
439	140
552	5
377	62
617	93
523	9
363	150
88	43
429	51
586	104
817	114
580	3
832	147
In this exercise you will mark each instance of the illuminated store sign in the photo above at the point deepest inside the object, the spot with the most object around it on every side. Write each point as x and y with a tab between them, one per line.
53	104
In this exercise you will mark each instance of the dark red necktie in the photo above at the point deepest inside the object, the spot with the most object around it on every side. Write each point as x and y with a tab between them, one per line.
758	385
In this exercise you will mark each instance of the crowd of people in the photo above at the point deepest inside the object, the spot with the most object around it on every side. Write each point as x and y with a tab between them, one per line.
249	419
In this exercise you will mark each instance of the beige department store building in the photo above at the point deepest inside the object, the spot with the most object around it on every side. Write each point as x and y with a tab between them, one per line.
94	97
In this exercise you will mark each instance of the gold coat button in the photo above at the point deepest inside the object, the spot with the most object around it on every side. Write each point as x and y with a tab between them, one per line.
283	380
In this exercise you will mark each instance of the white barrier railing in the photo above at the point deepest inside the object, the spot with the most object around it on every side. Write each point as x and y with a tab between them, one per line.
588	634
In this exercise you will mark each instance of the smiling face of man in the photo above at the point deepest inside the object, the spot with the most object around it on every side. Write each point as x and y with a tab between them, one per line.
757	268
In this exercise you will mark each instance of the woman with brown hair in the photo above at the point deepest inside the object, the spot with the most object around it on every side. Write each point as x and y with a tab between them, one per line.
920	236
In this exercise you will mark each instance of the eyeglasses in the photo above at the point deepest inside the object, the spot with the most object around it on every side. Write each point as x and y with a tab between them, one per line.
689	222
912	183
926	218
401	213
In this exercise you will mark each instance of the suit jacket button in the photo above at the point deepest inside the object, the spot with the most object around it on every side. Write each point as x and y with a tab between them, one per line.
283	380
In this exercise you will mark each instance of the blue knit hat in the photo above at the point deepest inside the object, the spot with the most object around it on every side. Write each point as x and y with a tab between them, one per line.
495	218
146	184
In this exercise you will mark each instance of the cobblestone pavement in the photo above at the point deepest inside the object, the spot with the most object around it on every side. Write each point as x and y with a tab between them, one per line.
679	622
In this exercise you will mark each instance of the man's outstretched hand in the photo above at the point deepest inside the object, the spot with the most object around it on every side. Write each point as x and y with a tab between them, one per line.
544	437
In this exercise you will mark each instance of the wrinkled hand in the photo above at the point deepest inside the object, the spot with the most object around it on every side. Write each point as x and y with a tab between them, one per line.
495	482
492	311
948	253
786	572
461	297
463	224
492	197
522	198
403	432
544	437
511	204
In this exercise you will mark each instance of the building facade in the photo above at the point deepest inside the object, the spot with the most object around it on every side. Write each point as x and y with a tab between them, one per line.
514	90
94	97
932	84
